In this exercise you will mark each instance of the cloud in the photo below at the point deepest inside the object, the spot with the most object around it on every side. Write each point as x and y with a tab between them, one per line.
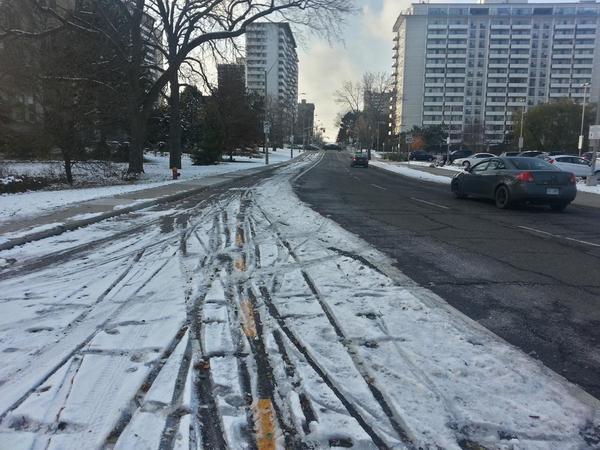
378	20
366	47
323	69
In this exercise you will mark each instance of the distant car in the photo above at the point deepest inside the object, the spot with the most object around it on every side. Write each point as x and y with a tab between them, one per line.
312	147
581	167
456	154
420	155
590	155
360	160
530	154
517	180
332	147
473	159
509	154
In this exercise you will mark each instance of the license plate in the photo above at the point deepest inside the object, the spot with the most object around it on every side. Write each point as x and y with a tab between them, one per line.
552	191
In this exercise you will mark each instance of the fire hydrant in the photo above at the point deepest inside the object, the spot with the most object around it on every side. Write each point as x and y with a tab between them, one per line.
176	173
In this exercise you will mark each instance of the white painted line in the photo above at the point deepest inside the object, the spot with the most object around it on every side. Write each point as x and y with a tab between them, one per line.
379	187
429	203
535	230
582	242
557	236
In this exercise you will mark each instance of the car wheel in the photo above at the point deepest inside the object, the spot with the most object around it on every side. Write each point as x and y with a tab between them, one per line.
559	206
457	191
466	164
502	197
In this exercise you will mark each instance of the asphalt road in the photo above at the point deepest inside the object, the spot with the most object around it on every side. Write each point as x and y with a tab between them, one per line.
530	275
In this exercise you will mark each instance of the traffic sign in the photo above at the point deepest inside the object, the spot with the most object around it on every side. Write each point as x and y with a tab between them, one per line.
594	131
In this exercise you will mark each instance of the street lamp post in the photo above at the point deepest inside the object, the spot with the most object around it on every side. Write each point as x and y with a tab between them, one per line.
580	144
521	140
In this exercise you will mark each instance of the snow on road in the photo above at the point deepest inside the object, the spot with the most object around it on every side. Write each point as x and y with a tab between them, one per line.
251	318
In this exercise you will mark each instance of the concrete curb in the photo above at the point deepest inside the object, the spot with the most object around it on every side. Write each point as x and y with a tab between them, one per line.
73	225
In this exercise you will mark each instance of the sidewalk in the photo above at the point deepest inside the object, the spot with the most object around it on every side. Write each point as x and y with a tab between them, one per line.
22	230
441	175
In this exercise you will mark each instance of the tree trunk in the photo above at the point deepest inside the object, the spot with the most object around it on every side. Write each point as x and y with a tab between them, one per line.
174	123
68	168
136	145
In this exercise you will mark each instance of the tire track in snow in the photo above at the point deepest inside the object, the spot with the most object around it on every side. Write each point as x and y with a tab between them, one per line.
397	423
76	348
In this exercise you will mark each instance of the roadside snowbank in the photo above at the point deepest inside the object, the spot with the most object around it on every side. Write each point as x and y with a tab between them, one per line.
403	169
156	174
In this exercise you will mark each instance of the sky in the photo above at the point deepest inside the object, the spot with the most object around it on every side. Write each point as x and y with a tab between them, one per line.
366	47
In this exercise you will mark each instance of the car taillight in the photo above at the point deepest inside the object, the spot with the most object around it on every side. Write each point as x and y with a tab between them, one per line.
353	158
551	161
525	177
572	178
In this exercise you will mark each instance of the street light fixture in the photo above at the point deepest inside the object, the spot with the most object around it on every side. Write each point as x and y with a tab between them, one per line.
580	144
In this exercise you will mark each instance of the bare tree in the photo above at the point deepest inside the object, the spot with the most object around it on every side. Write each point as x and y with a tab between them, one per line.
190	24
369	100
136	27
350	95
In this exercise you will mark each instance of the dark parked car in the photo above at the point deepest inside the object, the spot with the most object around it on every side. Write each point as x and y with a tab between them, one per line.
517	180
360	159
420	155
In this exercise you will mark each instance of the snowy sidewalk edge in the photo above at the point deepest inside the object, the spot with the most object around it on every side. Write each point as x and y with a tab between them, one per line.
79	223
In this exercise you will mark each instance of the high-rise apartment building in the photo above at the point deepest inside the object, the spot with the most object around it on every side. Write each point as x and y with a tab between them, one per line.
271	56
471	66
305	123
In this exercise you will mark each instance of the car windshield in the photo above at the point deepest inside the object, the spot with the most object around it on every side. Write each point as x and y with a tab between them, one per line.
532	164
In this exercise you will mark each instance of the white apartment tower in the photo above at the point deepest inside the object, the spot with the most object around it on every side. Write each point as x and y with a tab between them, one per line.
271	56
474	65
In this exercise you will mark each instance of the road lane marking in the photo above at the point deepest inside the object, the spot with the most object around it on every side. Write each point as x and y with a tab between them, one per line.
582	242
558	236
239	237
264	423
378	187
429	203
248	323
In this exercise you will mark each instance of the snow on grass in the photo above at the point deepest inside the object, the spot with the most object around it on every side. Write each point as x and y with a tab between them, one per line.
582	187
157	173
403	169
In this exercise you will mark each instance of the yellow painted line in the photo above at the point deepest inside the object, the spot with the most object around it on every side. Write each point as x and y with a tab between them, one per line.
239	241
264	422
239	237
240	264
248	319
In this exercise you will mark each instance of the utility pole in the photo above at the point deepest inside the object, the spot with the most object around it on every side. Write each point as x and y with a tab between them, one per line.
266	124
522	120
580	144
